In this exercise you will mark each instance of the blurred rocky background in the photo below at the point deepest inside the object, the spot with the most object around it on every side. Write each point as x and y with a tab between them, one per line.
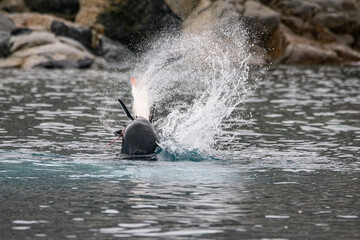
106	33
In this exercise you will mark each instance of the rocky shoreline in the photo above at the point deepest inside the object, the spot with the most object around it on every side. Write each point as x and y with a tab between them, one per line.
103	34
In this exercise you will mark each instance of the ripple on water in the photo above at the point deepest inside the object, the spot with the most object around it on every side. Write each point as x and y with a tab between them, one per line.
293	161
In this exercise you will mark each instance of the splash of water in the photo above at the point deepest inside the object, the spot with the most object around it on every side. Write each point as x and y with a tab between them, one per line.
195	81
141	103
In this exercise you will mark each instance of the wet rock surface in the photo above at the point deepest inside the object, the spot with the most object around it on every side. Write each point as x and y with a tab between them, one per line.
291	31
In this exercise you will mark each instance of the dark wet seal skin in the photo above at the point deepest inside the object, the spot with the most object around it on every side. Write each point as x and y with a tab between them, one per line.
139	138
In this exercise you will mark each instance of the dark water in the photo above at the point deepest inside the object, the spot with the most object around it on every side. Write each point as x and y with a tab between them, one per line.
292	169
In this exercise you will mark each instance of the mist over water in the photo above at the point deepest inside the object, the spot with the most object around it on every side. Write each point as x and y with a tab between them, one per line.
195	81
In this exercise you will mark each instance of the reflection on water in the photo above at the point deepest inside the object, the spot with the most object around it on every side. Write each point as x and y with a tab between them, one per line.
289	171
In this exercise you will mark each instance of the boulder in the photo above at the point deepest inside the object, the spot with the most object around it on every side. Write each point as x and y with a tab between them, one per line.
261	17
80	34
320	33
6	26
218	29
59	26
36	21
31	61
345	39
45	61
65	64
71	42
133	21
334	21
4	44
345	53
300	8
41	40
295	23
327	5
53	48
202	17
351	11
303	53
89	12
64	8
20	31
11	62
289	48
128	21
13	6
45	50
33	39
84	62
114	52
182	8
211	15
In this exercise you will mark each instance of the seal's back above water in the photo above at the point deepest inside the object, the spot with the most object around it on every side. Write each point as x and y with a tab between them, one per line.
139	138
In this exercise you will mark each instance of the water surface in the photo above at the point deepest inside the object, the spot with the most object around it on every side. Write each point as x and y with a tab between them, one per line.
289	167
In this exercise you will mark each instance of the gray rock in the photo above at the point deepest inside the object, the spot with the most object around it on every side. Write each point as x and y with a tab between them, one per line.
5	28
131	22
349	4
56	48
351	11
295	23
290	48
300	8
182	8
113	51
307	54
59	64
345	53
65	8
65	63
30	40
4	44
327	5
84	62
345	39
20	31
263	16
6	24
80	34
73	43
13	6
333	21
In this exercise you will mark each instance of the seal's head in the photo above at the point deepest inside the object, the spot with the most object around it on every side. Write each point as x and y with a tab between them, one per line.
139	138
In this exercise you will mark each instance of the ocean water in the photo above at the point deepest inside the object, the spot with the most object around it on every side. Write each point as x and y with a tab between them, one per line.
283	164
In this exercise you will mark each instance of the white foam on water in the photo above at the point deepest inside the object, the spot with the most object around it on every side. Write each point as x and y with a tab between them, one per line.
197	80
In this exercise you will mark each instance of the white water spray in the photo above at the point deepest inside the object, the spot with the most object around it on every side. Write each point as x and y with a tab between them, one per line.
197	81
141	106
